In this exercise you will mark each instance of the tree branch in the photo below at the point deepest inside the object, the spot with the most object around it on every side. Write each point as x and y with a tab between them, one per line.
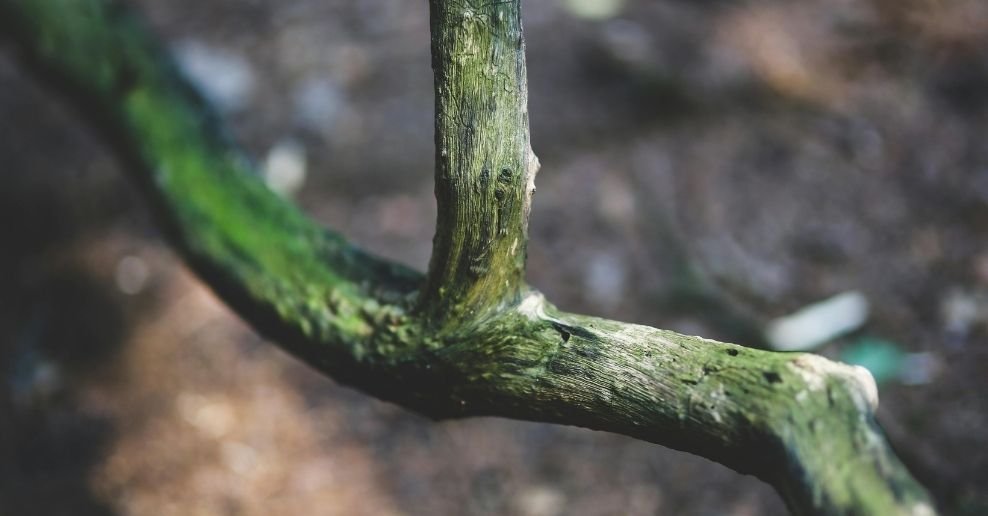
798	421
476	341
485	168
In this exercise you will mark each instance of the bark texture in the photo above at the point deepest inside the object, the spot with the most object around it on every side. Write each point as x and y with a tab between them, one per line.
470	338
485	166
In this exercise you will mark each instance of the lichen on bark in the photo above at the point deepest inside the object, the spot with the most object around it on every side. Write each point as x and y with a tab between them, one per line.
485	167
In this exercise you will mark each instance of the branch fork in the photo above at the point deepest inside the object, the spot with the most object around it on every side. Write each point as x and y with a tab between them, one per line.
470	337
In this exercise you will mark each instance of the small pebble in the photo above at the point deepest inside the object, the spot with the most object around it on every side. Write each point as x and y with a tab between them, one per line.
225	77
816	324
285	168
594	9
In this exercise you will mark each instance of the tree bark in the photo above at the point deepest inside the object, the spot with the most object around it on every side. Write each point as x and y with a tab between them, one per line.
485	168
470	338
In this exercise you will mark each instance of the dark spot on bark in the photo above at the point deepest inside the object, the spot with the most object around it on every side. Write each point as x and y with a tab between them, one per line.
562	367
707	369
502	195
576	331
733	352
691	382
485	178
564	334
772	377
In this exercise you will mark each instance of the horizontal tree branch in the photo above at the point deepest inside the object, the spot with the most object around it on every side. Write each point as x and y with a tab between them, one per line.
800	422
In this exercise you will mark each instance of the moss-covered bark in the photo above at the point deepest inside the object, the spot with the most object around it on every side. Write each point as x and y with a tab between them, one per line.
472	339
798	421
485	168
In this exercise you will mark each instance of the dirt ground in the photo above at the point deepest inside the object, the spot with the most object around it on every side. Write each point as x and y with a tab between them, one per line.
707	167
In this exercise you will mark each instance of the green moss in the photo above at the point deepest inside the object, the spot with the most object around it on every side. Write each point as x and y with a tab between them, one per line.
221	214
484	170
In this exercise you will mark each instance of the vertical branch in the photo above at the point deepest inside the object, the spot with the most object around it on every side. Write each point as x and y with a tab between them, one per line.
484	163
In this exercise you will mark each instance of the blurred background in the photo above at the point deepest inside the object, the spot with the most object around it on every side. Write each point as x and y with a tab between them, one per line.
798	175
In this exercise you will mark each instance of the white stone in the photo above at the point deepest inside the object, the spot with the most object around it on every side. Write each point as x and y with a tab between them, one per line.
819	322
225	77
594	9
285	168
131	274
